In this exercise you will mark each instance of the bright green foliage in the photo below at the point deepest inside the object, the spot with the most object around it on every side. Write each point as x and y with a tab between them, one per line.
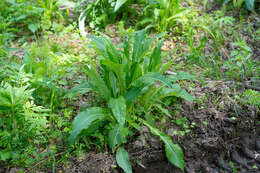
102	12
119	3
159	14
162	15
118	108
85	119
173	152
24	13
26	17
251	97
50	11
12	99
122	159
117	136
21	121
37	60
240	55
126	75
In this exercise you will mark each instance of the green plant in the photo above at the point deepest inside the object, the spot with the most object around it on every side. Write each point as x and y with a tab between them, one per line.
50	13
47	70
184	124
240	55
165	14
249	4
21	18
102	12
196	51
128	74
21	13
21	121
251	97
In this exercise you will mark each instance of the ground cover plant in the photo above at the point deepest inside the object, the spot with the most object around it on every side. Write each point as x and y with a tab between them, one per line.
125	76
130	86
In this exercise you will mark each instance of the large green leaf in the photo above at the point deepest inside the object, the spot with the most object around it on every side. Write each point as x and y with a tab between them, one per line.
181	75
150	78
80	89
97	83
117	136
14	98
84	120
99	43
122	159
118	107
156	59
138	44
119	3
250	4
173	151
113	83
132	94
185	95
176	91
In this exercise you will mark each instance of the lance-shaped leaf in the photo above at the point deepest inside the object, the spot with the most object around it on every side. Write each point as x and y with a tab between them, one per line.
150	78
176	91
117	136
173	151
118	107
97	83
132	94
83	121
122	160
78	90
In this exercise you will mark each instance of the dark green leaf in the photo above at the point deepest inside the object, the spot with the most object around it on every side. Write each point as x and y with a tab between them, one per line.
150	78
97	83
117	136
84	120
132	94
118	107
173	151
156	59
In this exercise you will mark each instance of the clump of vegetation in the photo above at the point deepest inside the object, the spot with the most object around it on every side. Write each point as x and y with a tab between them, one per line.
251	97
72	94
126	77
22	122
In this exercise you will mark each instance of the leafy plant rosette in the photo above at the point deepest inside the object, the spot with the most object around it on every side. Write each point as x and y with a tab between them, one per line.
126	77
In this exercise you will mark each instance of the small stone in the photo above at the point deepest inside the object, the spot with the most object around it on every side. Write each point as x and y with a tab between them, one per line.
171	132
140	142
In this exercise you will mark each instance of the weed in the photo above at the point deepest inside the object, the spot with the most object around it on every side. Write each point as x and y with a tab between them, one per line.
125	77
